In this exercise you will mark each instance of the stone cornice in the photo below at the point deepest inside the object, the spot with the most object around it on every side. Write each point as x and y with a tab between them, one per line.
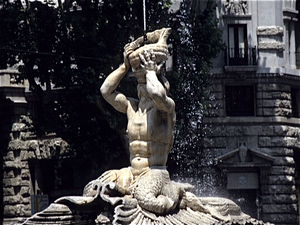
237	17
253	120
290	14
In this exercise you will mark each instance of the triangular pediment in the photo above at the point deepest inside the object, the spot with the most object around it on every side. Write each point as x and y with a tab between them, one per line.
242	157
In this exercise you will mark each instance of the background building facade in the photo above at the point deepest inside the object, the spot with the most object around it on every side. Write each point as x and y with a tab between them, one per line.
254	120
254	117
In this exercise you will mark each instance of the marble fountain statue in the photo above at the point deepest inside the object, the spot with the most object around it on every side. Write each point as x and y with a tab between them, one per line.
143	192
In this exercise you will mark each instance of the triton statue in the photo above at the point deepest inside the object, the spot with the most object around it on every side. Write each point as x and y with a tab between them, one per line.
143	193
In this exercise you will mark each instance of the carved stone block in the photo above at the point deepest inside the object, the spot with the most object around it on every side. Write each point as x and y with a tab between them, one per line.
279	208
280	189
281	179
280	218
269	30
275	45
279	198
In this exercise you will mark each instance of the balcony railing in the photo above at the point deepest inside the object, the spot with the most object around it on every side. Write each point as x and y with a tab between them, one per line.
240	56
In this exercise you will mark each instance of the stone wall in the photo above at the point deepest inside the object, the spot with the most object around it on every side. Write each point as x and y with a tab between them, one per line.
273	132
17	178
273	99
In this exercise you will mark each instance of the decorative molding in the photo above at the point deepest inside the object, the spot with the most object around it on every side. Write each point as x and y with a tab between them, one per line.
238	17
272	45
236	7
269	30
290	14
240	68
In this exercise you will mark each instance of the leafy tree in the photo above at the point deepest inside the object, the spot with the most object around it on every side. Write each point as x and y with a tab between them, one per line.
66	52
197	41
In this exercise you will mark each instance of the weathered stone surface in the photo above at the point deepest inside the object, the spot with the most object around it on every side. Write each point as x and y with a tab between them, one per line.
274	103
286	130
273	87
16	199
292	142
279	189
268	111
12	182
278	141
279	208
269	30
31	155
9	156
24	155
8	173
25	191
25	173
281	179
218	142
284	161
17	210
17	145
252	130
274	95
276	45
280	170
280	218
267	130
279	198
277	103
25	165
25	183
276	112
265	142
32	145
274	151
18	127
259	111
234	130
12	164
8	191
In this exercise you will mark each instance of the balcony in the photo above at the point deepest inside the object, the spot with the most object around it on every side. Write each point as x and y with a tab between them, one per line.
240	56
240	59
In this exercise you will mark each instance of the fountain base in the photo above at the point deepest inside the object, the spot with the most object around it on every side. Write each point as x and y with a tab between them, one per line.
116	209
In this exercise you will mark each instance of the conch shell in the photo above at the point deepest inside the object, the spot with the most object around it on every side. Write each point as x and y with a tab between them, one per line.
156	41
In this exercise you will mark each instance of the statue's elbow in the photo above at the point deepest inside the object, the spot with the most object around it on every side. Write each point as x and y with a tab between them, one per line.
104	90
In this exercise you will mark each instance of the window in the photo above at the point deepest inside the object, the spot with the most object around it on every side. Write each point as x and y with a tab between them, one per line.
237	44
239	100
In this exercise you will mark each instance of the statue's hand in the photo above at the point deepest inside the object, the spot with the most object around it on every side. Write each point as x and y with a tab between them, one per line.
128	49
149	63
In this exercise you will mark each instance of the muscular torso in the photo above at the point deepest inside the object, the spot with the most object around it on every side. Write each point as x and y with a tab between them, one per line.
150	134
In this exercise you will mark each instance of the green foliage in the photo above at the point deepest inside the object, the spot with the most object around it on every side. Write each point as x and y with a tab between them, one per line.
66	54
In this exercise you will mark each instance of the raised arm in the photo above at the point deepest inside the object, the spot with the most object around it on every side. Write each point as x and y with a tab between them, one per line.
108	88
154	87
